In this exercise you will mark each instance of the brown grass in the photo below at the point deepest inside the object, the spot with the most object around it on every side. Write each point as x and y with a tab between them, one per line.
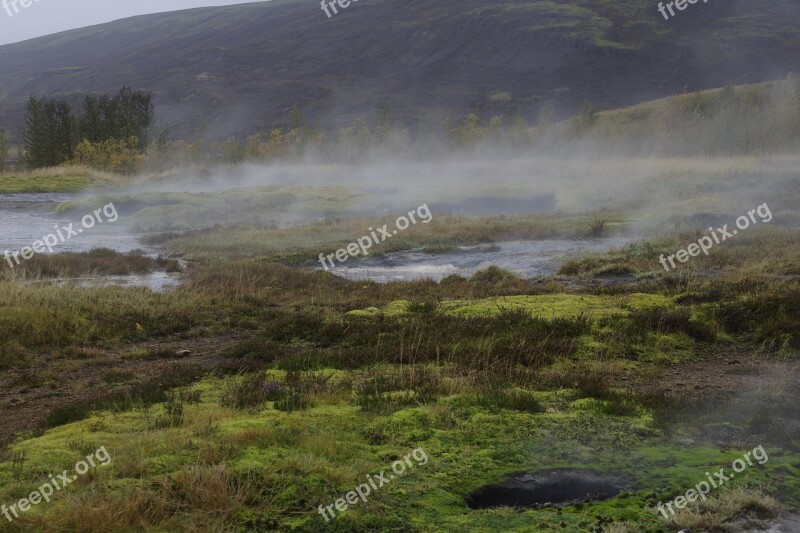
717	512
100	261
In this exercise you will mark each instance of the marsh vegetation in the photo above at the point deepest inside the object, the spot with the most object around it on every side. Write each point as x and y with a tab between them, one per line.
262	386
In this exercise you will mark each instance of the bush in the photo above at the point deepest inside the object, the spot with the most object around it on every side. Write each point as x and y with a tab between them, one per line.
493	275
112	155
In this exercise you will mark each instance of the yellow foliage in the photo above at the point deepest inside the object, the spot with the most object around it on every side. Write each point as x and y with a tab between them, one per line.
112	155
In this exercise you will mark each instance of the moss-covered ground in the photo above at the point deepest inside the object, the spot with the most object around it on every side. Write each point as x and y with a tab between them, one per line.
55	180
486	385
261	389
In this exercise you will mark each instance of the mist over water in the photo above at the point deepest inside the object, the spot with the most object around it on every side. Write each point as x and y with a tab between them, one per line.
26	218
653	192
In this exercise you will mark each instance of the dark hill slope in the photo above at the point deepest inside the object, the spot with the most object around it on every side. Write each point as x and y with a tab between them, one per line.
232	70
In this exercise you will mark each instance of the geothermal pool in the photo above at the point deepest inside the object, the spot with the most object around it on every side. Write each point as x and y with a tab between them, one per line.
527	259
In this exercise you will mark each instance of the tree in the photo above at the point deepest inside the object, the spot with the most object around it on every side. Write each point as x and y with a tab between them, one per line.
162	139
134	114
127	114
96	123
53	130
3	150
50	133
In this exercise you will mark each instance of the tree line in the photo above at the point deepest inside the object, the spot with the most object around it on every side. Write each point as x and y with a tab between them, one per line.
111	132
54	128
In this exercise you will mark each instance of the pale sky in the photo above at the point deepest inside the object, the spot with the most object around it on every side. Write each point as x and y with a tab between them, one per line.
43	17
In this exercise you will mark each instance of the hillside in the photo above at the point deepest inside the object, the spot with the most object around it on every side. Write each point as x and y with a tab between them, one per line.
225	71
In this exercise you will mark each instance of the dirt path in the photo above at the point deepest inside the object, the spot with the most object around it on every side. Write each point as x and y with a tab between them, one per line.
27	396
720	373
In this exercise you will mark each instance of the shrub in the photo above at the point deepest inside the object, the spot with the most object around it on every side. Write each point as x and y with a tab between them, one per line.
493	275
597	227
570	268
112	155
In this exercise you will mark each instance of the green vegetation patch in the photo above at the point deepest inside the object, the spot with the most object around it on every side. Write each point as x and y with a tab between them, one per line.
266	465
39	184
552	306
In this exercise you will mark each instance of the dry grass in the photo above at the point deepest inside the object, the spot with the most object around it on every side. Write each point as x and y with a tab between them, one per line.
63	170
719	511
100	261
304	243
68	178
199	498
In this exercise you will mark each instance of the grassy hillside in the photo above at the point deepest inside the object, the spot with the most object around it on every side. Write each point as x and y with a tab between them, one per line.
232	70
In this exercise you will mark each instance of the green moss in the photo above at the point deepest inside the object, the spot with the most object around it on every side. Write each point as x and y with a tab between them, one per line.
558	305
37	184
392	309
327	450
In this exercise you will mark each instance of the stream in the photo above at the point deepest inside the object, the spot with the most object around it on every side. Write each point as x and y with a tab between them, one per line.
27	217
527	259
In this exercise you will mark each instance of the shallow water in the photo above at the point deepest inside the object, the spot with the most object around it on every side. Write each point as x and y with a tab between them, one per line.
527	259
156	281
25	218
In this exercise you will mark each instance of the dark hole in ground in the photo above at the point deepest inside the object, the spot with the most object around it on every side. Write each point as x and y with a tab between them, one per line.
552	486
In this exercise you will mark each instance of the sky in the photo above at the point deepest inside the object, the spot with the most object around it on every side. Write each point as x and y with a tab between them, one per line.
43	17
